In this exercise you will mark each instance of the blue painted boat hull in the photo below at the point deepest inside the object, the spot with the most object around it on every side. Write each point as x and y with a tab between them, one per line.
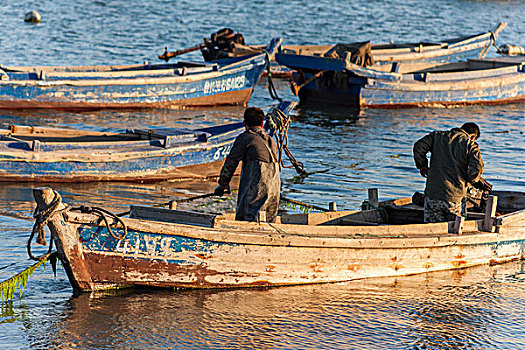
225	82
426	89
138	161
40	154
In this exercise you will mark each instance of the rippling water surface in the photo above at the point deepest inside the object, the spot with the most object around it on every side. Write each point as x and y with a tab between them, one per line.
350	151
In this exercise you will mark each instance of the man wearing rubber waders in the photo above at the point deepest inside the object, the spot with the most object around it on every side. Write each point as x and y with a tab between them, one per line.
455	163
260	183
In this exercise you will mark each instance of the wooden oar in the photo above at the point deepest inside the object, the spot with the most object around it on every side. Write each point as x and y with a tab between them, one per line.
170	203
184	200
167	55
284	199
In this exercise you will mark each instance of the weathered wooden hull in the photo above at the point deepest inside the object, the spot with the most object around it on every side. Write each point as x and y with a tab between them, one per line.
497	85
222	254
400	57
225	82
138	161
239	98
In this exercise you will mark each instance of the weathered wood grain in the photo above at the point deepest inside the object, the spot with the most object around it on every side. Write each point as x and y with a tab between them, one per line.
227	253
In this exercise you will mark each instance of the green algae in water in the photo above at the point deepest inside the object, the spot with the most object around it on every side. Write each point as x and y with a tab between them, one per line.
19	281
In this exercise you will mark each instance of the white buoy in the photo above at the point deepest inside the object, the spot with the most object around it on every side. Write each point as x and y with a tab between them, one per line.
33	17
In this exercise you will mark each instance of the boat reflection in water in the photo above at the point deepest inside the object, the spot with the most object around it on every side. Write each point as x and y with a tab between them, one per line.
442	310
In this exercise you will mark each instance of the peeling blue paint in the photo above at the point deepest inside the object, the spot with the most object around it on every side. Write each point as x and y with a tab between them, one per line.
109	160
160	85
170	248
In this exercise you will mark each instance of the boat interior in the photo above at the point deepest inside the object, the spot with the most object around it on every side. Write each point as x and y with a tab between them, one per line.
379	49
146	70
392	212
45	134
515	62
460	71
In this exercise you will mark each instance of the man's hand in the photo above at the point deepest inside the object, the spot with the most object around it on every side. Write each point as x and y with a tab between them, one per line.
483	185
424	171
221	190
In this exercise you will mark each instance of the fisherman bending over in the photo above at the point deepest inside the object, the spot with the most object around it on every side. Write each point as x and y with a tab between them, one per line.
260	182
455	163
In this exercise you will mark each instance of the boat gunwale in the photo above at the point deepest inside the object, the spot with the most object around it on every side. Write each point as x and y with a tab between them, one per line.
266	234
139	81
389	58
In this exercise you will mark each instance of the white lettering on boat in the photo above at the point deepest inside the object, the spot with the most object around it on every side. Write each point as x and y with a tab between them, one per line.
149	246
221	152
223	85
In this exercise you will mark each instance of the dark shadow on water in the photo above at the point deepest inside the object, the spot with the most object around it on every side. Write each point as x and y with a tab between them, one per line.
327	116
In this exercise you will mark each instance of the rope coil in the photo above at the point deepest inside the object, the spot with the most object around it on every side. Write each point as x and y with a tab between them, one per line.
41	219
103	214
280	122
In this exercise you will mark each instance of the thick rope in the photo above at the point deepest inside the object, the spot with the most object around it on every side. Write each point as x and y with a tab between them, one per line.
41	219
103	214
271	87
280	122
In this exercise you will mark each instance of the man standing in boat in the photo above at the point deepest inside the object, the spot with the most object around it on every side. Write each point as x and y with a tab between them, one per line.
455	163
260	183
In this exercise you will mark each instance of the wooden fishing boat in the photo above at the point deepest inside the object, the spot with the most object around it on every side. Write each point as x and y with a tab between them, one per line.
402	57
42	154
475	81
224	82
160	247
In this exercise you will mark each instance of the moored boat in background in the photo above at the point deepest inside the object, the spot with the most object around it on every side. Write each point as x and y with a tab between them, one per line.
224	82
399	57
476	81
43	154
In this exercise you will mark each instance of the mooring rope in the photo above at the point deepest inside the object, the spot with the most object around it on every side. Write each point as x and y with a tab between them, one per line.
41	219
102	215
280	122
271	87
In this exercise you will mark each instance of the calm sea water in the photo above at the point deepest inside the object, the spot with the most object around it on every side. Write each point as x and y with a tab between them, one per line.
349	151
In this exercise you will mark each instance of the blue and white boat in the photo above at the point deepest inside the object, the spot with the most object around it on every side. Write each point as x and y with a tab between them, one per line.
228	81
475	81
399	57
42	154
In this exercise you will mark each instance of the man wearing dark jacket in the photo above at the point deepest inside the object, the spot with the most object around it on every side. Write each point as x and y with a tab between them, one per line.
260	183
455	163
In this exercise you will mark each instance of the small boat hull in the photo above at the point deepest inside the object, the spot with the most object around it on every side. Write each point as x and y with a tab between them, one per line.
42	154
239	98
486	81
68	159
185	84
